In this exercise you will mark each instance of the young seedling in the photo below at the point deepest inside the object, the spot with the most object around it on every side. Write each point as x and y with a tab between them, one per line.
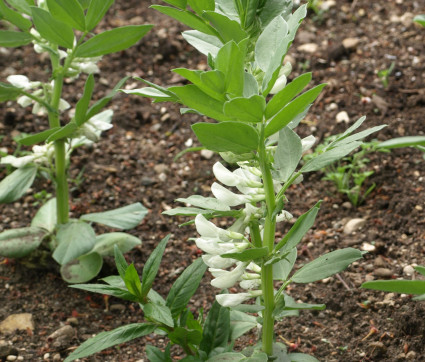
63	30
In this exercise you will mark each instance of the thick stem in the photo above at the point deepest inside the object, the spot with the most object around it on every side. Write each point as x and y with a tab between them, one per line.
268	241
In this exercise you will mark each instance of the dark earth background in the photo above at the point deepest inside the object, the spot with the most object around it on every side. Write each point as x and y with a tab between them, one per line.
134	161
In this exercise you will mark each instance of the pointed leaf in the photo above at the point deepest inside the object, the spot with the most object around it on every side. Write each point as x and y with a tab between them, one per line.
248	255
7	91
199	6
83	103
14	17
45	217
420	269
204	43
111	338
51	29
83	269
399	142
181	4
96	11
150	270
235	137
17	243
38	137
246	109
283	97
69	11
288	153
74	239
120	262
15	185
283	268
185	286
12	39
105	243
117	292
126	217
112	41
227	28
397	286
326	265
230	61
216	328
132	282
23	6
290	111
210	203
158	313
240	323
64	132
155	354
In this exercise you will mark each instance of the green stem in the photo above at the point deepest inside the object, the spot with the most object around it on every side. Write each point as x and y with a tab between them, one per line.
268	241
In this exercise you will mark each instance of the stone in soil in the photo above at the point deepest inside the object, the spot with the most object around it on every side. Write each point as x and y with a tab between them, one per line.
21	321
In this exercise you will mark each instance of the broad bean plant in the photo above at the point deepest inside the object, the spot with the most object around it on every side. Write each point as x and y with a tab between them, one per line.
64	31
253	113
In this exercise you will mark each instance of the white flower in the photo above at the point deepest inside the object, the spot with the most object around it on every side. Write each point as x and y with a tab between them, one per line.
235	178
228	279
250	284
24	101
217	262
229	198
19	81
279	84
233	300
308	143
95	125
213	247
40	109
17	162
40	154
284	216
207	229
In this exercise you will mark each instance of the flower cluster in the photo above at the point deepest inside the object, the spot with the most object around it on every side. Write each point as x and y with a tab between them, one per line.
41	155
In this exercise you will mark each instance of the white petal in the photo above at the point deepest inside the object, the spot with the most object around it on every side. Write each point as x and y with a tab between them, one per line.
19	81
250	284
229	278
308	143
102	120
284	216
217	262
213	247
232	300
17	162
223	175
63	105
205	228
24	101
89	68
227	197
38	109
279	85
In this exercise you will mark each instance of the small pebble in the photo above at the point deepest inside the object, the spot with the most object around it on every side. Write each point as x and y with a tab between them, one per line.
342	117
207	154
383	273
11	357
308	48
354	225
408	270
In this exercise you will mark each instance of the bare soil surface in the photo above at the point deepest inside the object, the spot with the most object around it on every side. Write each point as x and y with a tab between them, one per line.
135	162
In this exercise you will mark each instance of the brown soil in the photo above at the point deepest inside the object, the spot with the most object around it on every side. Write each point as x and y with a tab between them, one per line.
125	167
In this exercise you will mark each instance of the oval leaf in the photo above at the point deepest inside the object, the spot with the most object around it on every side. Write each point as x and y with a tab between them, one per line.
112	41
45	217
83	269
246	109
97	9
17	183
105	243
12	39
397	286
17	243
74	239
326	265
235	137
69	11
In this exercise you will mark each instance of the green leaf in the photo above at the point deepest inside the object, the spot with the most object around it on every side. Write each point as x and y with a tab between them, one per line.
101	103
291	110
83	269
235	137
273	8
120	262
150	270
283	268
38	137
250	86
184	337
397	286
111	338
63	132
96	11
158	313
12	39
227	28
132	282
105	243
69	11
53	30
186	17
45	217
126	217
248	255
17	243
14	17
227	356
186	211
117	292
246	109
230	61
284	96
288	153
328	157
112	41
301	357
23	6
420	269
326	265
85	3
160	94
420	19
204	43
83	103
7	91
286	302
191	96
409	141
177	3
240	323
184	287
298	230
155	354
216	328
357	136
269	41
200	6
15	185
74	239
210	203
